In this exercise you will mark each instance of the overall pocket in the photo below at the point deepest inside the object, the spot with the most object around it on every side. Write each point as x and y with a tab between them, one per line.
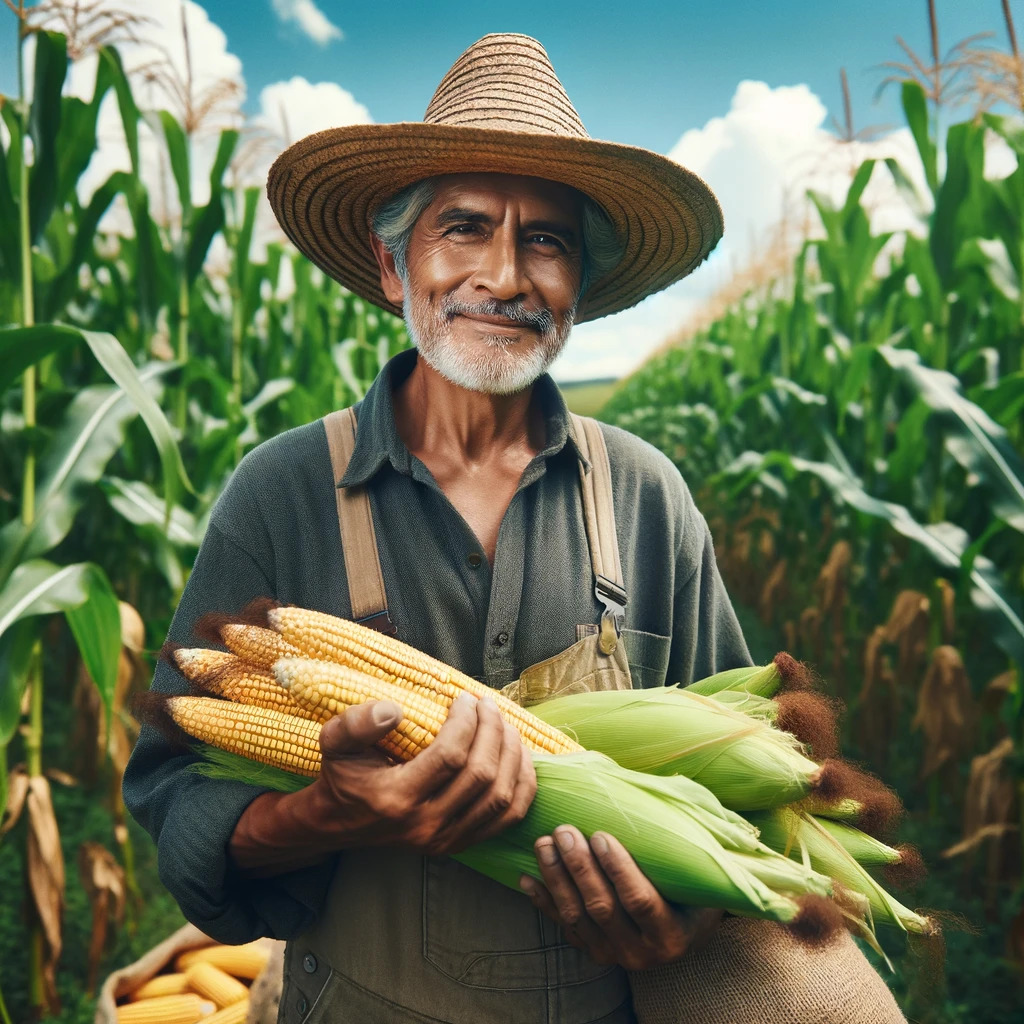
482	935
648	655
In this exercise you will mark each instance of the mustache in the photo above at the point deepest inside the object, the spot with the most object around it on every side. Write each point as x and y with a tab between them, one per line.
541	320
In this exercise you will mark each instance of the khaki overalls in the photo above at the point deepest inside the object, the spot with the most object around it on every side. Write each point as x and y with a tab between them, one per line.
405	938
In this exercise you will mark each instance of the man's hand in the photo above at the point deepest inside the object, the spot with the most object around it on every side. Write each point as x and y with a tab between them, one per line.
474	780
607	907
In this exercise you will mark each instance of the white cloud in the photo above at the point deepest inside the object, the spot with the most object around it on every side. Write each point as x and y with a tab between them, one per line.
759	159
293	109
309	18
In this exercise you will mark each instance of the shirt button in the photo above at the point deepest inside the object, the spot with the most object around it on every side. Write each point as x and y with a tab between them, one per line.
501	639
309	963
474	559
302	1006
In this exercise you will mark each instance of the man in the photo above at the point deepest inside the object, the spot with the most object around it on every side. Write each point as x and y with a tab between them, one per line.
493	227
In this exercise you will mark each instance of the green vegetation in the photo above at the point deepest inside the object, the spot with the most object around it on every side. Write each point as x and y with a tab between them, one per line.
856	439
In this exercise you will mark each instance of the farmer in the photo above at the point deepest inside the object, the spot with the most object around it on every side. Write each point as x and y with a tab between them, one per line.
485	526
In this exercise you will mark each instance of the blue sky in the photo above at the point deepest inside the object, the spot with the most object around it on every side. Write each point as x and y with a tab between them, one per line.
640	72
742	93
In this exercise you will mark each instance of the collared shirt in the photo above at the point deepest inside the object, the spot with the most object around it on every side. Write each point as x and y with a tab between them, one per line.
274	532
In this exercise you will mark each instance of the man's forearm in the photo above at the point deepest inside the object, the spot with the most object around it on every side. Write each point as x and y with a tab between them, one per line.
277	833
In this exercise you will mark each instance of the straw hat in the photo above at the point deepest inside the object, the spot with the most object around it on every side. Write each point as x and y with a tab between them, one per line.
500	108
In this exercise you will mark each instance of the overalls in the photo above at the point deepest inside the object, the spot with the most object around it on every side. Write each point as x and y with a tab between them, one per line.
405	938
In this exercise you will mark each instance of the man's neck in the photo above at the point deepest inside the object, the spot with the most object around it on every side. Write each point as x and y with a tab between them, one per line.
438	418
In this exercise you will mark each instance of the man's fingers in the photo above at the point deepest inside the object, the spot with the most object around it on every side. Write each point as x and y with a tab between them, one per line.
488	777
435	767
646	907
357	729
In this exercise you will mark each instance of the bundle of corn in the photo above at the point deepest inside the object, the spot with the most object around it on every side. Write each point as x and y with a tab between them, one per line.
209	984
666	771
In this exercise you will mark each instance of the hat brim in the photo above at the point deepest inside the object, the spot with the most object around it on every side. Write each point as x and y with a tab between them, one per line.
325	188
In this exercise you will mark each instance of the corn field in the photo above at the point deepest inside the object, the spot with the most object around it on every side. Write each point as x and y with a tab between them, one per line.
854	431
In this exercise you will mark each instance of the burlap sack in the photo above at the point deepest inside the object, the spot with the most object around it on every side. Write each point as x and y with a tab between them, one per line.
265	992
754	972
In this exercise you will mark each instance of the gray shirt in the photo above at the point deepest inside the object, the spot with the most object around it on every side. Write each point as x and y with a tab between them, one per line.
274	532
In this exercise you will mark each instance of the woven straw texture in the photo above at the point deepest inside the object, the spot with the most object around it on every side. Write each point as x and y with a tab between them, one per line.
501	108
753	972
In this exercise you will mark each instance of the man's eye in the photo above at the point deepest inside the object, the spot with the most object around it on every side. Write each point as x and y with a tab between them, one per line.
547	240
461	229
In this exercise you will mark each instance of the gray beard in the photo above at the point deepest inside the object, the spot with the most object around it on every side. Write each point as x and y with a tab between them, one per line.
499	365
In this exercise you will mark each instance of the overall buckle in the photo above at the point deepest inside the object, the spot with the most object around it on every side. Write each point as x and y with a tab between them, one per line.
613	598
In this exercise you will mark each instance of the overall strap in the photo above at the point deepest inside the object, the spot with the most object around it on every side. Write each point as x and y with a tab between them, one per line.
358	541
599	518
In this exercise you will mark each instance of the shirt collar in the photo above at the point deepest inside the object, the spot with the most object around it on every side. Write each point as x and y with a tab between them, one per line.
378	441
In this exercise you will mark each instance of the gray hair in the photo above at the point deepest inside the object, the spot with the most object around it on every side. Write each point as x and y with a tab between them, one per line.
393	223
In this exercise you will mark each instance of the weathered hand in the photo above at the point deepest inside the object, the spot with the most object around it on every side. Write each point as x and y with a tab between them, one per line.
475	780
607	907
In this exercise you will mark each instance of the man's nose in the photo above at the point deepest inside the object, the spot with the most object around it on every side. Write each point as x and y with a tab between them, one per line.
501	267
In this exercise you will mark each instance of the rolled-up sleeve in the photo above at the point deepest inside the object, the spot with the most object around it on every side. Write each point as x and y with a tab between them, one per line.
191	817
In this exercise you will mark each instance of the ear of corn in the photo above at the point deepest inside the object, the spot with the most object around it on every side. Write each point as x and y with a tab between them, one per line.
245	961
236	1013
237	680
262	734
187	1008
257	645
800	835
760	680
744	762
324	690
328	638
161	985
689	763
215	984
198	663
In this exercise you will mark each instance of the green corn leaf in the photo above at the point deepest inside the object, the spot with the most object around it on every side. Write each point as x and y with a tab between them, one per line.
51	64
915	109
977	442
141	505
96	625
91	432
944	542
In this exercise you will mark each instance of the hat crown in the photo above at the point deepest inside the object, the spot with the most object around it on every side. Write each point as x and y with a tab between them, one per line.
505	82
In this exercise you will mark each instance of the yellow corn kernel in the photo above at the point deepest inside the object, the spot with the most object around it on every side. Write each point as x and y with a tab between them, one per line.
326	690
245	684
245	961
198	664
214	983
261	734
260	646
329	638
161	985
187	1008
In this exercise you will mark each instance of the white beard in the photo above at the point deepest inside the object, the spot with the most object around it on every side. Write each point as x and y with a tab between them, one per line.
498	364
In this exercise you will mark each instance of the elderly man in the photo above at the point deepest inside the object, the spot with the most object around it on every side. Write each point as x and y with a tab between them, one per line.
528	549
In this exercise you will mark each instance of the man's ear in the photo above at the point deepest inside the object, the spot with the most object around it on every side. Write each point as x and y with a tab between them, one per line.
390	282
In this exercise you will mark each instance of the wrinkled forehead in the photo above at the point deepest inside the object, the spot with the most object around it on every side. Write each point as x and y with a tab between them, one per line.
535	197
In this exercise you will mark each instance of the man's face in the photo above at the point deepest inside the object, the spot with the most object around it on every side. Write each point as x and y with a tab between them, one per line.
493	278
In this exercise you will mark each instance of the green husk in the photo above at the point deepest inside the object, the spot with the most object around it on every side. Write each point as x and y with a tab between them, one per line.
760	680
801	835
746	763
764	709
864	849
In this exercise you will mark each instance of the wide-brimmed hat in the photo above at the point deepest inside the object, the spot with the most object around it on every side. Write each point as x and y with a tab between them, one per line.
501	108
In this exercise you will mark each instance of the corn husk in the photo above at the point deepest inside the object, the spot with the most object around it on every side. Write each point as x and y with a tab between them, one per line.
746	763
803	837
760	680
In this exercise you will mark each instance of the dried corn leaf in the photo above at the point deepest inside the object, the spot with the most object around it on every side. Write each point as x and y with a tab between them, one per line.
104	883
17	791
945	710
45	864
